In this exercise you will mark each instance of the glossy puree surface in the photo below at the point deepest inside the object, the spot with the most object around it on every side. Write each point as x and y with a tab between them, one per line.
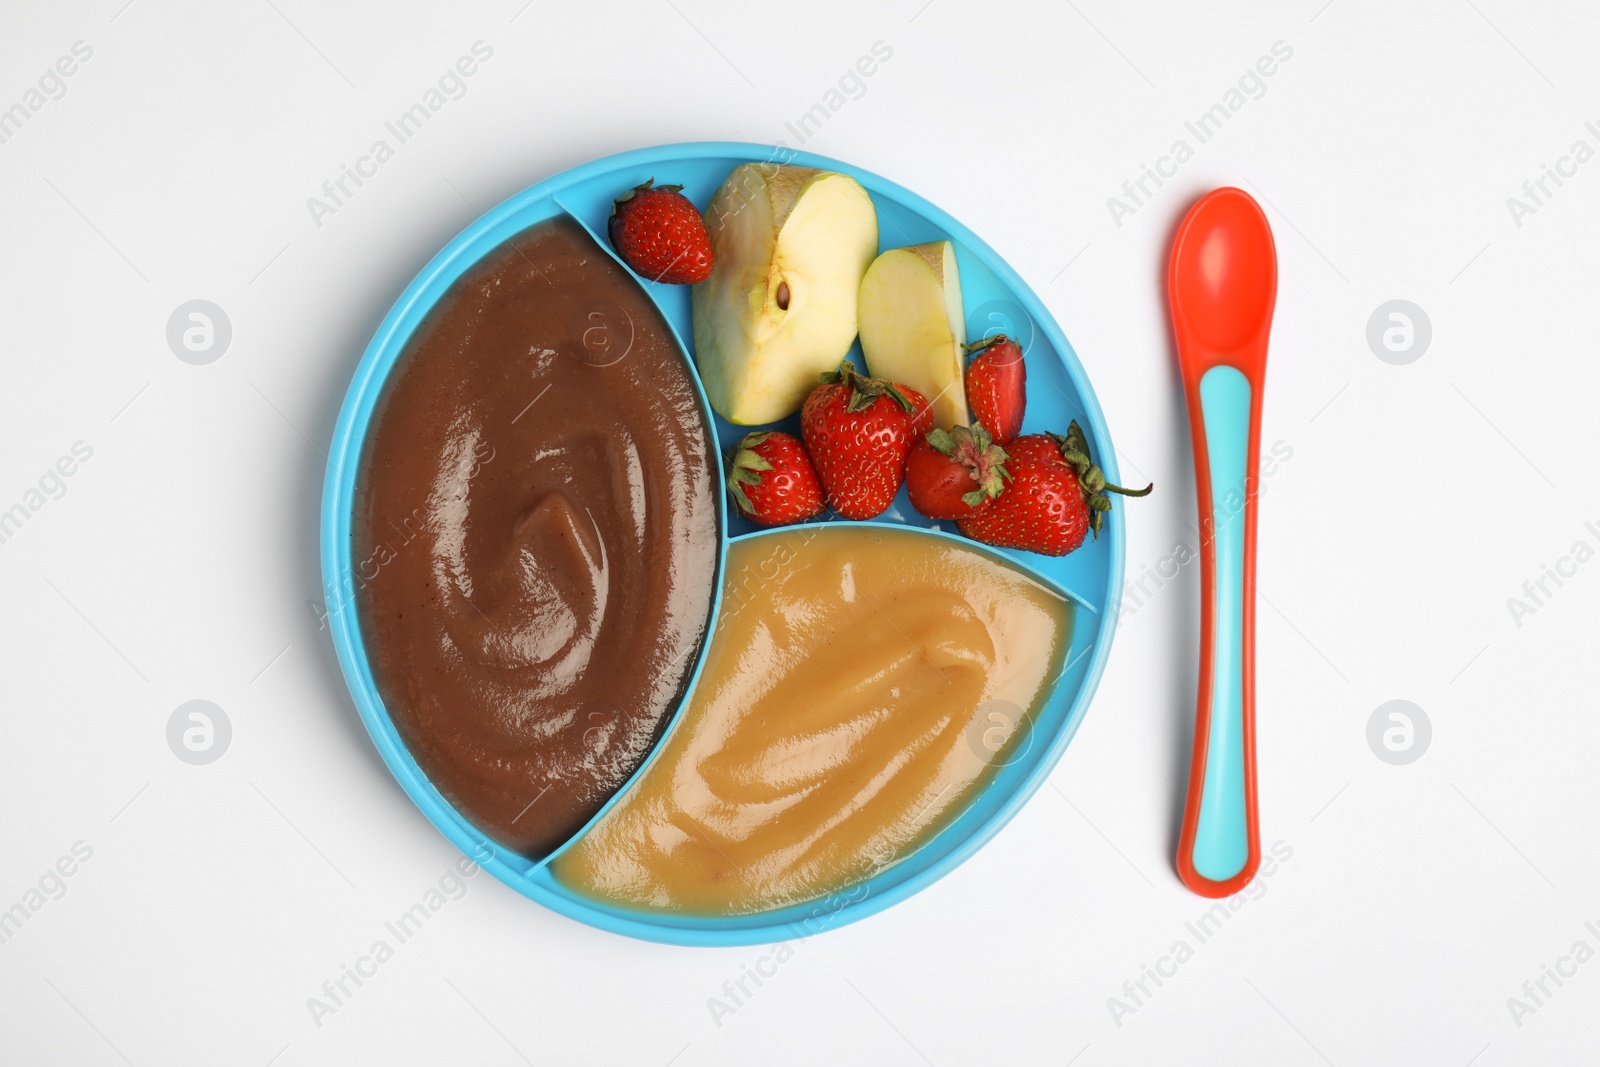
860	685
537	536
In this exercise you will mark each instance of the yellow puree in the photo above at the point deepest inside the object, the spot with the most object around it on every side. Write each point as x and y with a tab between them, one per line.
843	716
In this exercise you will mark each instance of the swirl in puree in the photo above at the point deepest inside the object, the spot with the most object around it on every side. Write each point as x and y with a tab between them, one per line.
843	717
536	520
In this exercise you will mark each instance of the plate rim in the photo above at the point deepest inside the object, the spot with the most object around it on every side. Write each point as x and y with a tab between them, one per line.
335	525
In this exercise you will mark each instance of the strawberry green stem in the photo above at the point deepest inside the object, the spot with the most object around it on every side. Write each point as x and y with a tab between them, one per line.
1075	450
864	390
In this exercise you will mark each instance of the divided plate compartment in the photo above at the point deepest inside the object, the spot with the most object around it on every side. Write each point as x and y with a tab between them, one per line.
996	300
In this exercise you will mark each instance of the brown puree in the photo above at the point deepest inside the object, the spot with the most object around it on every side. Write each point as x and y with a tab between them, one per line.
537	518
842	718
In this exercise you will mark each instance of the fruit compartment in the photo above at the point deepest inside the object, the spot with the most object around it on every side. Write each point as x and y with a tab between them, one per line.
995	301
993	304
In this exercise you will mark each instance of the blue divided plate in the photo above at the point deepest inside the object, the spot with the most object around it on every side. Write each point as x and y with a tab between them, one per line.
996	300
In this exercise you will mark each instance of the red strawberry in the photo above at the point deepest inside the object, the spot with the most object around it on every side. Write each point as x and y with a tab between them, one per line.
954	473
659	233
921	412
1056	496
772	481
997	387
859	432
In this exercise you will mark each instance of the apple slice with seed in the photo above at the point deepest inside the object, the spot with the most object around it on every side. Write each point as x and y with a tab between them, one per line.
779	307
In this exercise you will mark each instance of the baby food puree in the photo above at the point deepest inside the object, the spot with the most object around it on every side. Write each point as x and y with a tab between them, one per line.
536	517
840	720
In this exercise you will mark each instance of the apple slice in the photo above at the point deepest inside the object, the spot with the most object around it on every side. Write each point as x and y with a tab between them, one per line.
789	247
913	328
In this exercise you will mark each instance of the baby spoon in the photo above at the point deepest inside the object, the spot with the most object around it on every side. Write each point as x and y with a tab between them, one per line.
1222	283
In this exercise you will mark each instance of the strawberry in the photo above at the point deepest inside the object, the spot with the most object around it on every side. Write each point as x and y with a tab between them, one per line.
659	233
1056	496
997	387
921	412
772	480
859	432
954	473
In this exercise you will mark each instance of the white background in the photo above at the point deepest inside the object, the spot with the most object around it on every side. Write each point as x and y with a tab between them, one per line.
181	561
